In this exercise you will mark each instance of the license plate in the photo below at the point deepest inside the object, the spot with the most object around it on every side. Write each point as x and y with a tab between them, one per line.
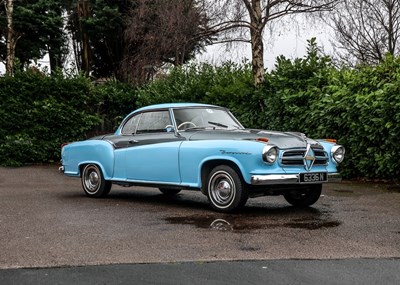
313	177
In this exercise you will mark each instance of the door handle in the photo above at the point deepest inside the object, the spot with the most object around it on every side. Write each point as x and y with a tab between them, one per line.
133	141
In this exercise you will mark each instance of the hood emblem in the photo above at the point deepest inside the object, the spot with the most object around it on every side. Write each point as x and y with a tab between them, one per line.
309	158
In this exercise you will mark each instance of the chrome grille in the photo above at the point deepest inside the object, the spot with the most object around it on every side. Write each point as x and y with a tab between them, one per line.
295	157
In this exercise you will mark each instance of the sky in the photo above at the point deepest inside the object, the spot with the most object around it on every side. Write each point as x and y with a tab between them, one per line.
292	43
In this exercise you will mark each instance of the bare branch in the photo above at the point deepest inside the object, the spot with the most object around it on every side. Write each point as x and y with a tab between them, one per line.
254	16
367	29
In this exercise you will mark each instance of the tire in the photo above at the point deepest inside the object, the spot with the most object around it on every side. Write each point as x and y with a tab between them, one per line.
169	192
93	182
304	198
226	190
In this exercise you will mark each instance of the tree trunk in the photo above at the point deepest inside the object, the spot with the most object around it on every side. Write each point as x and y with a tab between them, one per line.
257	49
11	41
83	12
257	45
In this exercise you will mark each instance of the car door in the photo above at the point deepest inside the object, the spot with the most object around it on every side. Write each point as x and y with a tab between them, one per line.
150	153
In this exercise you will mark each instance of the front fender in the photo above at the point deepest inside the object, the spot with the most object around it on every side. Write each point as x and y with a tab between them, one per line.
193	155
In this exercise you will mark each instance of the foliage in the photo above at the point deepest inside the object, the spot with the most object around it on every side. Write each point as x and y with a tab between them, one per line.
228	85
39	28
98	23
359	107
38	113
114	100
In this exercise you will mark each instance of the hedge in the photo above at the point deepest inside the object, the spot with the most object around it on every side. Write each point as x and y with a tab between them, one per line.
359	107
38	113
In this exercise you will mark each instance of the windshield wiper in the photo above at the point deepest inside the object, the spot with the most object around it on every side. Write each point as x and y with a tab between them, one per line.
218	124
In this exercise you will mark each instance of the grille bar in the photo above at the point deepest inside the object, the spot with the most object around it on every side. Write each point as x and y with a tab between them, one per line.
295	157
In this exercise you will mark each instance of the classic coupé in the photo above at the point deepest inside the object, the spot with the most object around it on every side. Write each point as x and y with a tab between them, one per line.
203	147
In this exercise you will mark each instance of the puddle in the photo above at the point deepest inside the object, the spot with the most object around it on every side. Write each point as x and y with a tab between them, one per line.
249	223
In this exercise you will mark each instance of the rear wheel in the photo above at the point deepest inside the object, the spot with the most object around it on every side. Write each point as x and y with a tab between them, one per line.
93	182
226	190
169	192
304	198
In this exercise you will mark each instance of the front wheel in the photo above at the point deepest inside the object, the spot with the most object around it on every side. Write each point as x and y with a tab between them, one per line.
93	182
226	190
304	198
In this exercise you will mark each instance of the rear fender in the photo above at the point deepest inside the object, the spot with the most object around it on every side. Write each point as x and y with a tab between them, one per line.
78	154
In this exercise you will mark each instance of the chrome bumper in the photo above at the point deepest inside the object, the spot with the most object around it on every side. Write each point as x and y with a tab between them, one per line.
276	179
61	169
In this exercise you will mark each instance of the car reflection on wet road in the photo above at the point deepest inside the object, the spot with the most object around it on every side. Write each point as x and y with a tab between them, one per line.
47	221
311	219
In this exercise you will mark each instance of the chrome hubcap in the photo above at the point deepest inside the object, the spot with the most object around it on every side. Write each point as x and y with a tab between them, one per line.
92	180
222	188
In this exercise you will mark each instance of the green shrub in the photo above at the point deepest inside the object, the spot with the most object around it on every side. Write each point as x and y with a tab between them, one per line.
359	107
114	100
39	112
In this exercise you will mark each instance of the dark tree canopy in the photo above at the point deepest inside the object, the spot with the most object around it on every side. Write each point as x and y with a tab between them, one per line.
97	29
38	25
159	32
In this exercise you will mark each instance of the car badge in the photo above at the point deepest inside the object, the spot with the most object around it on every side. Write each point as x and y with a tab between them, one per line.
309	158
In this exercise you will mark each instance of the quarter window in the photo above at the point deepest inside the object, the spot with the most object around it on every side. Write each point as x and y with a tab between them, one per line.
154	122
131	125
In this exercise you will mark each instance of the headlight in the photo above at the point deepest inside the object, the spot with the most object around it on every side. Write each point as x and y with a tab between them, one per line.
270	154
337	153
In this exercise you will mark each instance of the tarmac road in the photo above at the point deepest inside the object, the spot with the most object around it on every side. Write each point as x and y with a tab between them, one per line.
47	221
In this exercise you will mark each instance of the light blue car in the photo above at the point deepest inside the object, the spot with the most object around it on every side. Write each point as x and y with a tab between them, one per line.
186	146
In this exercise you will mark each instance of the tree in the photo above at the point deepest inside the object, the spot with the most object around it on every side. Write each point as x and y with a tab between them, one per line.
159	32
37	25
11	38
248	19
366	30
97	28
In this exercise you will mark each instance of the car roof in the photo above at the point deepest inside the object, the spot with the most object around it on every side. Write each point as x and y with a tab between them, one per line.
172	105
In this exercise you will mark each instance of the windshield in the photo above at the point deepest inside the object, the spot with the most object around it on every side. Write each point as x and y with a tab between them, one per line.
205	118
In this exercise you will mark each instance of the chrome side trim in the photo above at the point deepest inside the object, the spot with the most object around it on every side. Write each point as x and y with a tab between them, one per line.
279	179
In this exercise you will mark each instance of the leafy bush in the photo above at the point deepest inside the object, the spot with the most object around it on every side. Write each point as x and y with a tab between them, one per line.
229	85
38	113
359	107
114	100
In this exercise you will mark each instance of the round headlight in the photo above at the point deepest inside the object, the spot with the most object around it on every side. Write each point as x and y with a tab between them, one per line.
270	154
338	153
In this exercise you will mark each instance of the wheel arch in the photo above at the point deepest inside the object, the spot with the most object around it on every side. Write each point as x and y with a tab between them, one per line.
210	164
82	165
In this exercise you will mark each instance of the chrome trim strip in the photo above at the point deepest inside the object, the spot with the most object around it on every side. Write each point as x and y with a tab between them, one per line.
279	179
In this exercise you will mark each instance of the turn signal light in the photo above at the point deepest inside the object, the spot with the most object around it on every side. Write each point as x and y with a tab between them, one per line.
263	140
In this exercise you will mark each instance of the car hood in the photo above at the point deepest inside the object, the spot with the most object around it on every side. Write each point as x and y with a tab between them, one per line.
283	140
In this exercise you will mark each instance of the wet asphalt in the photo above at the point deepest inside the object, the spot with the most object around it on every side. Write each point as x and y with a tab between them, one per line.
48	225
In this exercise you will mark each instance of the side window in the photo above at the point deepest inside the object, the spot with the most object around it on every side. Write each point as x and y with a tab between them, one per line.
154	122
131	125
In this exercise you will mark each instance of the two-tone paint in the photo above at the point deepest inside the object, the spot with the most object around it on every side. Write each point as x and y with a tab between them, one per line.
179	158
